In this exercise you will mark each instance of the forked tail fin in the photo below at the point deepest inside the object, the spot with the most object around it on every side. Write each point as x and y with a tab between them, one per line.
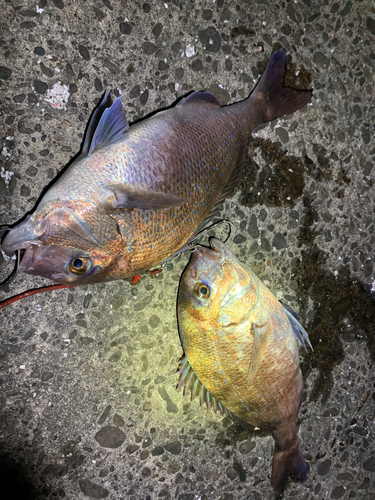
287	463
273	99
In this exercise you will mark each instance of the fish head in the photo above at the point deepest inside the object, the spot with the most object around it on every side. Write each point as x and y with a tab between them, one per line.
70	243
216	291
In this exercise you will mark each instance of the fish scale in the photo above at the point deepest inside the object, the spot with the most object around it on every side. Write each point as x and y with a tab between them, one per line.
137	195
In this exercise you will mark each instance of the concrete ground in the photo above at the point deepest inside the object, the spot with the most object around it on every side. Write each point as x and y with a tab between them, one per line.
88	400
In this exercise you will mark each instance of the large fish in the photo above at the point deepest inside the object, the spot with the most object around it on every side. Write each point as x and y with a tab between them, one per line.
136	195
240	352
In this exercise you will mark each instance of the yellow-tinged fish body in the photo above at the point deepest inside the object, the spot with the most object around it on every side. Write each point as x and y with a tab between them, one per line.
241	353
136	195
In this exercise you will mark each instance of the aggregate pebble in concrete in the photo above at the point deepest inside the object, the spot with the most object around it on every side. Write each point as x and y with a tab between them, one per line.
88	401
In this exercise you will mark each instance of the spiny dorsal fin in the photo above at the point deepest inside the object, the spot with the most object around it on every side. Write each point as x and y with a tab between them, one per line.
190	383
200	96
106	126
297	327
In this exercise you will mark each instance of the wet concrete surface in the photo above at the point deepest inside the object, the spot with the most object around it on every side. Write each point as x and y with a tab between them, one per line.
88	401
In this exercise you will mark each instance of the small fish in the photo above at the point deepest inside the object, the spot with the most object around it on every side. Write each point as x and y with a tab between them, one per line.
137	195
240	352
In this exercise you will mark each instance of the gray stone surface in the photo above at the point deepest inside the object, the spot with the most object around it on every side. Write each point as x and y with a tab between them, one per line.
100	361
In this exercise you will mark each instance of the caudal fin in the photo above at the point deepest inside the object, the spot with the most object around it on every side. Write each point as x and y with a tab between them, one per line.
288	463
274	99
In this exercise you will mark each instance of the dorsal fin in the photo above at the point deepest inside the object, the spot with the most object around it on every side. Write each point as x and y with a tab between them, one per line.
297	327
200	96
106	126
190	383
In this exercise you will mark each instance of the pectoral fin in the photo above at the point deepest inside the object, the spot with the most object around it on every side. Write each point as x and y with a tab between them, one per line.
128	197
259	347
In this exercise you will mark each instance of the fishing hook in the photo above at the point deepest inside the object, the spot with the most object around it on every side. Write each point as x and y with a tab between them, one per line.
14	273
227	240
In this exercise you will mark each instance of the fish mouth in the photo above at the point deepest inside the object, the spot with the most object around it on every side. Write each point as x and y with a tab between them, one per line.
28	256
19	238
212	253
22	238
217	252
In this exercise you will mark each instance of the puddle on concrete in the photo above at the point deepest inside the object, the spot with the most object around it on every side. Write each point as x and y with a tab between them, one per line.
343	308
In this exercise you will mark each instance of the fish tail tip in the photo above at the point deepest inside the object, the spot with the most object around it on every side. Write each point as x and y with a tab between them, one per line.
287	464
279	100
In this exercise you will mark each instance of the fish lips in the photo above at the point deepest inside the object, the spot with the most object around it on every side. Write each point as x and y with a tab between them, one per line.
19	238
22	238
218	254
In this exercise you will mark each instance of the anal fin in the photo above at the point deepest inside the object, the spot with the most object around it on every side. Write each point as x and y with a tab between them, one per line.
191	384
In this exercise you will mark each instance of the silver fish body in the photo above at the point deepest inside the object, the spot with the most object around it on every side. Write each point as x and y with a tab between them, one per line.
137	194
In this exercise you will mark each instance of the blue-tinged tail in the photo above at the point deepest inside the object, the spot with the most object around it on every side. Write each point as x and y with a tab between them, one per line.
273	98
288	463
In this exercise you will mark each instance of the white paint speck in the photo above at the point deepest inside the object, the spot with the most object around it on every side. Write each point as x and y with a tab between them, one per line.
58	96
176	87
189	50
6	152
22	367
39	10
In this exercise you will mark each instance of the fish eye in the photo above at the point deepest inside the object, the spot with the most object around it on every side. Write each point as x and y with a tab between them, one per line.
201	290
80	265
